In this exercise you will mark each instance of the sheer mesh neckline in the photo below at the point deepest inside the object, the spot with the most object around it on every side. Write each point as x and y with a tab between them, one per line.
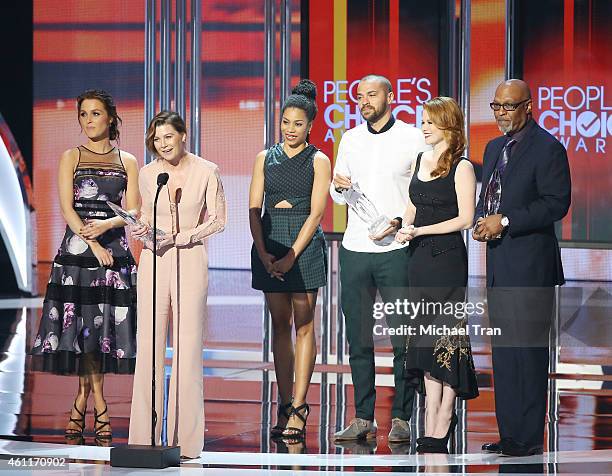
110	160
98	153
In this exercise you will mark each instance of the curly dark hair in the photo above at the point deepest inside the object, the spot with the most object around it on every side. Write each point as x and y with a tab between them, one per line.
303	96
109	104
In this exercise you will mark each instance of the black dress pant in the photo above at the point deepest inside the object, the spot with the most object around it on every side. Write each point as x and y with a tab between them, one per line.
520	360
361	276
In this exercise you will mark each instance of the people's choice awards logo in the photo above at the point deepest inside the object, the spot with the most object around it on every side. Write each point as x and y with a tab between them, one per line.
576	115
342	111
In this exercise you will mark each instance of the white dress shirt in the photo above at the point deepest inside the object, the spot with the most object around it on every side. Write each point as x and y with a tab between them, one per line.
381	164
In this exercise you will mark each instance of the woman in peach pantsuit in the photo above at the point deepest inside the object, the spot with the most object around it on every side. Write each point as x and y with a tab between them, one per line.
190	208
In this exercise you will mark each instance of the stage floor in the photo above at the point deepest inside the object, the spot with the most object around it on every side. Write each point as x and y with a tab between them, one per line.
91	460
240	408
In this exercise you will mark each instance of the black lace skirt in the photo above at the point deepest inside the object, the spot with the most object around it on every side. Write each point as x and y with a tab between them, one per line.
441	345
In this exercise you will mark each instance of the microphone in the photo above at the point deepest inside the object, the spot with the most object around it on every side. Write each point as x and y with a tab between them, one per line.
162	179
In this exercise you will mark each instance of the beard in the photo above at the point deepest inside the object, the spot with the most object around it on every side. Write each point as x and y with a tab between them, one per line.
505	127
372	114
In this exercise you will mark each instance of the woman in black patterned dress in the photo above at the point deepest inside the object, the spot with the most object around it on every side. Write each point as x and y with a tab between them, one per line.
442	200
88	319
288	258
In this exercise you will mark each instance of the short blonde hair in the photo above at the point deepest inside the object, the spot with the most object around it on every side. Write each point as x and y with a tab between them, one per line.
161	118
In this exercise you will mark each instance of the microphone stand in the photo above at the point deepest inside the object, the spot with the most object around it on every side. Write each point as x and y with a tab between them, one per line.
153	379
149	456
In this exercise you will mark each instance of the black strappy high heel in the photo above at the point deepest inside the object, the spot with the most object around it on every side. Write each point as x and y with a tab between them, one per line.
282	411
292	432
73	433
101	434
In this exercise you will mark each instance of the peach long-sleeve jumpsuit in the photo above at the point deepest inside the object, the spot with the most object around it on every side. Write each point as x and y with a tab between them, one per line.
182	287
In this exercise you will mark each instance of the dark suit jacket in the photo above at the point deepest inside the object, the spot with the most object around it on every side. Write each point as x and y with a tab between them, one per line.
536	192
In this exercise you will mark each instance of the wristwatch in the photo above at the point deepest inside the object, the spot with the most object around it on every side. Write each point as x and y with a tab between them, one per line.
505	221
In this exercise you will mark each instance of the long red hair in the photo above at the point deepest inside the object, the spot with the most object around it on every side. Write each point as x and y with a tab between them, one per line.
447	116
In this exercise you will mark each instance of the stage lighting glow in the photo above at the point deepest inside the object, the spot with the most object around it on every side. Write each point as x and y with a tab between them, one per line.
13	218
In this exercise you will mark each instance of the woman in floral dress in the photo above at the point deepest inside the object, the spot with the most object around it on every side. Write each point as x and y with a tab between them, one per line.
88	319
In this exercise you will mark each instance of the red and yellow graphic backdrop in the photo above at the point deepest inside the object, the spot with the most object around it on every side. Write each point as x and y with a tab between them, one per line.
350	39
487	69
572	99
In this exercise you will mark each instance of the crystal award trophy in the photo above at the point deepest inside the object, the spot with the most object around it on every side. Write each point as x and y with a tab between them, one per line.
367	212
131	220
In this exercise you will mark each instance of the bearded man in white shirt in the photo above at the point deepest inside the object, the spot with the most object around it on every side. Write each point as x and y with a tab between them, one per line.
377	156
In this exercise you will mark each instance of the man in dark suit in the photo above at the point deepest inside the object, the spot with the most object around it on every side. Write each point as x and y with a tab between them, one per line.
526	188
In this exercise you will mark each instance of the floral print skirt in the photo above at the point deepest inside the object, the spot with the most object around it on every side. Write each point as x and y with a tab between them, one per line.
440	345
88	321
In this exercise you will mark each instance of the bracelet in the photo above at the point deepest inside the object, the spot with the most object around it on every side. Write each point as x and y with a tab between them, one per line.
399	219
